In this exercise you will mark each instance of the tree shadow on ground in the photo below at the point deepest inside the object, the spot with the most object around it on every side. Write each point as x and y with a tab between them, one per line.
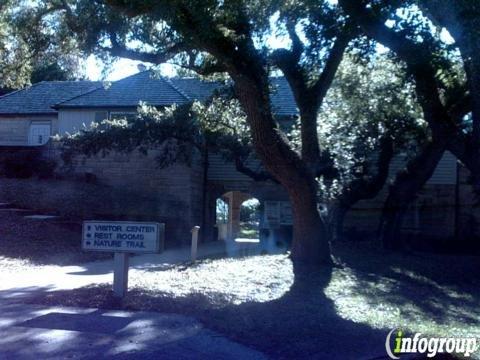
339	313
303	323
32	332
435	294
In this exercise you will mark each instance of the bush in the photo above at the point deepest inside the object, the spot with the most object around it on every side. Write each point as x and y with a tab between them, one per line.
23	163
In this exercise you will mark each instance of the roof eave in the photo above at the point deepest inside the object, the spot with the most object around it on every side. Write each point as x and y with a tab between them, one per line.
12	114
60	107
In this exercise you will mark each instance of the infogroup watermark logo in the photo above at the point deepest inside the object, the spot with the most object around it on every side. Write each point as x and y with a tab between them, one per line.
397	343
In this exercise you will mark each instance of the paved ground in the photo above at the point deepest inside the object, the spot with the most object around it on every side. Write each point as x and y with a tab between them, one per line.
340	314
33	331
36	332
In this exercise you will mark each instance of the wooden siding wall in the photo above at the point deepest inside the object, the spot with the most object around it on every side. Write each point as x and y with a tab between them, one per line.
445	173
71	121
221	170
14	131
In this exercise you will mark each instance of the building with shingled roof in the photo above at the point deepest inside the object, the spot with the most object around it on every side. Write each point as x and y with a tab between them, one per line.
185	195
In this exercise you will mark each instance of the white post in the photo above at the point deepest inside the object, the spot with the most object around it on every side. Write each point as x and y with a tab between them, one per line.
194	242
120	274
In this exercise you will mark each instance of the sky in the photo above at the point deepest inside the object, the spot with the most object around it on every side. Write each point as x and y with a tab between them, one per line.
120	69
125	67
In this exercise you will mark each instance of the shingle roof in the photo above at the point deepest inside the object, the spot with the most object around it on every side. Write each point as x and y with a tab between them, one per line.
194	88
283	102
128	92
159	91
39	98
282	98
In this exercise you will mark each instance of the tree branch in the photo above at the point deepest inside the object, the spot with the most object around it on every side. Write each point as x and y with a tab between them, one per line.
120	50
418	60
255	175
309	97
323	83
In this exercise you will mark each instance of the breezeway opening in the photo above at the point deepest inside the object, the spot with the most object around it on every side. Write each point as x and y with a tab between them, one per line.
238	217
249	230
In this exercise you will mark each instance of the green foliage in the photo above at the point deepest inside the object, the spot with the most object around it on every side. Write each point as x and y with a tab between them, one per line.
221	211
367	103
250	211
173	132
33	48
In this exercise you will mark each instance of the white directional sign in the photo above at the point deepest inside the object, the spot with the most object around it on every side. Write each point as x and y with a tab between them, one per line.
122	236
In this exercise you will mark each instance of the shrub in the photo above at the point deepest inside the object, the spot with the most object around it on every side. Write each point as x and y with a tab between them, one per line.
24	163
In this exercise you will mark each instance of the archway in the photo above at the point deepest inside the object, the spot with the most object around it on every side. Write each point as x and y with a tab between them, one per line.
237	216
249	221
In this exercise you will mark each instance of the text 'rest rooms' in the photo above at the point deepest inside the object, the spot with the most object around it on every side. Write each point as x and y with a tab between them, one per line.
119	235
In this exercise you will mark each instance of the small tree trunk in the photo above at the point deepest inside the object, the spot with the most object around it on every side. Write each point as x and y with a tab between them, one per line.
391	224
336	217
403	191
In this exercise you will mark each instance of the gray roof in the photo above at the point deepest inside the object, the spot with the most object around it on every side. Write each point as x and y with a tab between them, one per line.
283	102
160	91
128	92
43	97
39	98
194	88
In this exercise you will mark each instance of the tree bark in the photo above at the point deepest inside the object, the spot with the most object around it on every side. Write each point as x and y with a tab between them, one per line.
361	189
403	191
462	19
310	235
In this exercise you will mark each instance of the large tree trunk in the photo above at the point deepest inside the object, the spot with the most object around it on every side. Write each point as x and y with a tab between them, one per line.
310	235
309	135
403	191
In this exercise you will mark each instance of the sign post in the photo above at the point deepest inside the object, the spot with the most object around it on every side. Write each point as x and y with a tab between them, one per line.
193	251
120	274
122	238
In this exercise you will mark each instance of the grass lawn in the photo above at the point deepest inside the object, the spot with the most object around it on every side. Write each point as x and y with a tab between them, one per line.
248	231
259	302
